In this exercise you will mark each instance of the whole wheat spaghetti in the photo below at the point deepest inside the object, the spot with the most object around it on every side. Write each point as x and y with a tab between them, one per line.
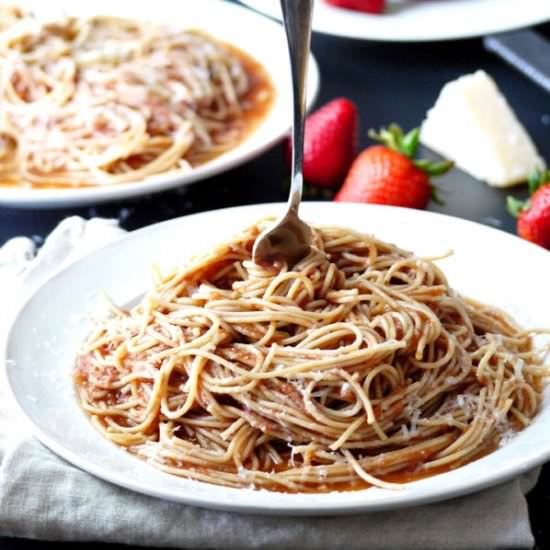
359	366
107	100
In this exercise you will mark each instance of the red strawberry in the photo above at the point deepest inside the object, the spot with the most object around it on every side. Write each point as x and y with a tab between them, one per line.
534	214
368	6
388	174
330	143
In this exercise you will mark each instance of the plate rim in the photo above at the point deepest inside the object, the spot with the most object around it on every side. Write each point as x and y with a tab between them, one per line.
490	479
388	37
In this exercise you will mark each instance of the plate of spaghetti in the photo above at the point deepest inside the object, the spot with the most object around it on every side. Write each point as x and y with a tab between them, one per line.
97	106
364	378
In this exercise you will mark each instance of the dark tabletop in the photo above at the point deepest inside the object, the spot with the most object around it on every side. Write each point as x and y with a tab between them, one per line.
389	82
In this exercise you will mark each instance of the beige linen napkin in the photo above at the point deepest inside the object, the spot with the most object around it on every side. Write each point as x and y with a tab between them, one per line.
43	497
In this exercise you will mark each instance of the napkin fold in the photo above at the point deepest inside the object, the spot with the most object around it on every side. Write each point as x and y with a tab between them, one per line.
23	269
44	497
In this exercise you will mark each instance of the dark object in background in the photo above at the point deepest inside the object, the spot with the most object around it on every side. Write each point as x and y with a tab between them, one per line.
526	50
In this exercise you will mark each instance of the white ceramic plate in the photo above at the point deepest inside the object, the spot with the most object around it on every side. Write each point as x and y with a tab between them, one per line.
490	265
260	37
422	20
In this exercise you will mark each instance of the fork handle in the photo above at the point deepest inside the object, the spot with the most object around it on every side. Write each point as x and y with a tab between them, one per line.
297	22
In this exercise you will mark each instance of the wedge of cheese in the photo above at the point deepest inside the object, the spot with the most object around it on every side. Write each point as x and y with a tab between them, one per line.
473	124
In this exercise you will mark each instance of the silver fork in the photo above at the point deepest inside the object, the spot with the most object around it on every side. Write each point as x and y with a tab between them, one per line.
290	239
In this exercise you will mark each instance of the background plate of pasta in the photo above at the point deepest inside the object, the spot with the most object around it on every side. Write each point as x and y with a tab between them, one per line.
97	104
374	374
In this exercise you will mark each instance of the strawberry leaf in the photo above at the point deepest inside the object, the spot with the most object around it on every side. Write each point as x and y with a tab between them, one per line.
407	144
537	179
439	168
383	136
434	168
397	136
533	181
391	137
516	206
410	141
421	163
435	196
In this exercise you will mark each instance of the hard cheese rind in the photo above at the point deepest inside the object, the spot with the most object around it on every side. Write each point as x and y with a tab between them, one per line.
473	124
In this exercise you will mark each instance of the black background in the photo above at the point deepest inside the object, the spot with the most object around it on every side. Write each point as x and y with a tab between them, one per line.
389	82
